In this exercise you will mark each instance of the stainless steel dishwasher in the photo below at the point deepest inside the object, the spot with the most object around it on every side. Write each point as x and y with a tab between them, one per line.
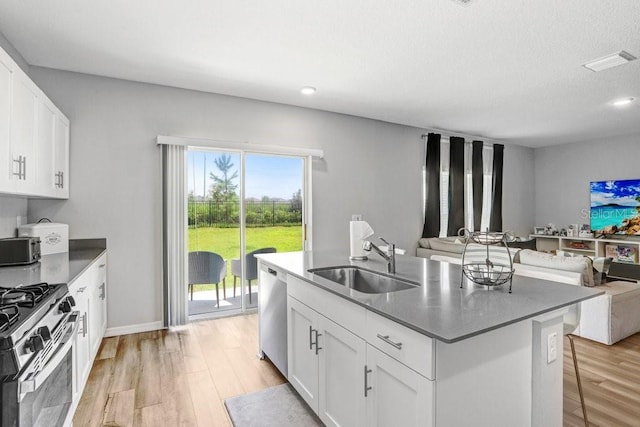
272	316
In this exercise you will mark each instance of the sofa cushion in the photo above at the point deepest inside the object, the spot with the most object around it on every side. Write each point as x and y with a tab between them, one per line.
424	242
446	246
580	265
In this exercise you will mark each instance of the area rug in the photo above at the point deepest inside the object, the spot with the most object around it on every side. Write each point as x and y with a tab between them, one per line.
275	406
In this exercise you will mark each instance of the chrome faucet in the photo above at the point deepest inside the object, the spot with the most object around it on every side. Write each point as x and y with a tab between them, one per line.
389	255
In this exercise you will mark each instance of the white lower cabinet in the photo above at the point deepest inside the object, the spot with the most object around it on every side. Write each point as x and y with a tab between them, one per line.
326	366
396	395
346	380
98	304
80	293
88	290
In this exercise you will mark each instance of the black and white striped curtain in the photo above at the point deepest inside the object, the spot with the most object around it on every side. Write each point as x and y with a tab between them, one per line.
432	187
456	185
495	223
484	162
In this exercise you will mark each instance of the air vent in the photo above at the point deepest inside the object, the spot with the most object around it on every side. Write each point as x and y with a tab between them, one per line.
610	61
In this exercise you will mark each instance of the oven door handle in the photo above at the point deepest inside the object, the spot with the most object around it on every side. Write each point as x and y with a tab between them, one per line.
32	383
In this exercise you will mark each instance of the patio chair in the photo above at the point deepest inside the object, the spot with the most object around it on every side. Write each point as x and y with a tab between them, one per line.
252	267
207	268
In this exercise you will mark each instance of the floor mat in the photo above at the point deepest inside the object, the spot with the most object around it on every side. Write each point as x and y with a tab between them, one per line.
275	406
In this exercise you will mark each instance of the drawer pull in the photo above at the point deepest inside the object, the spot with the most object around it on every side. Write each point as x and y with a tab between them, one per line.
386	339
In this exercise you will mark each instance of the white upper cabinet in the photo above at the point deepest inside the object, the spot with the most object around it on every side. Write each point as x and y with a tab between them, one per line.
34	137
61	157
6	163
24	101
46	118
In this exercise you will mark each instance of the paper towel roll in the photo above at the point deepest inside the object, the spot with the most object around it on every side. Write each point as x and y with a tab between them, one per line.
358	232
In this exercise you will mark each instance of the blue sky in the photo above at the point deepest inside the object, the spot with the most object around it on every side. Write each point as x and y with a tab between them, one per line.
623	193
272	176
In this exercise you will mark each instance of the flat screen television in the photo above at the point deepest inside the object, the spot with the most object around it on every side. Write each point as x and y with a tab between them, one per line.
615	207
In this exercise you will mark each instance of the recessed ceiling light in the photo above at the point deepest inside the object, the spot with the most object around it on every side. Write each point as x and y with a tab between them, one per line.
623	102
308	90
609	61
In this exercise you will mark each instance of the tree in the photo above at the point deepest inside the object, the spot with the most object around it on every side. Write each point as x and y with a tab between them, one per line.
296	201
224	187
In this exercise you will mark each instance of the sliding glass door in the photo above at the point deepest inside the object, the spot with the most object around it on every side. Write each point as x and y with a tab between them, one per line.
272	211
239	204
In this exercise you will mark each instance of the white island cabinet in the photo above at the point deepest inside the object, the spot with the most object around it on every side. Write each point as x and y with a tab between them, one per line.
345	380
434	354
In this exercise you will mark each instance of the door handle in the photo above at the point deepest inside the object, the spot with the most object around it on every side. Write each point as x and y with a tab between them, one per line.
317	347
367	387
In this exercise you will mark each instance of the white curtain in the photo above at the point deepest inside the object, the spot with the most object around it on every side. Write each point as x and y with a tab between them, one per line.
487	187
174	234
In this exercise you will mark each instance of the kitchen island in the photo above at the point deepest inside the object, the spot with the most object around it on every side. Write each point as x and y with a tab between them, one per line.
432	354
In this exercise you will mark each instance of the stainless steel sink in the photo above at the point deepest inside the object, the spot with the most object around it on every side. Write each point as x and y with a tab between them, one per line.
362	280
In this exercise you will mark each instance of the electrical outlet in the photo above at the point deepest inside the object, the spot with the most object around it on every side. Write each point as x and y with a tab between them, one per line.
356	217
18	221
552	347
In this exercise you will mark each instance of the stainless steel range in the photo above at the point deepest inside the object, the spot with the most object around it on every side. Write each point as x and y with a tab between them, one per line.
37	330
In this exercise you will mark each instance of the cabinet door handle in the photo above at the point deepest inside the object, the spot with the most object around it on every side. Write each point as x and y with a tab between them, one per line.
317	347
81	289
311	341
103	290
367	387
101	265
61	179
386	339
24	168
19	162
84	325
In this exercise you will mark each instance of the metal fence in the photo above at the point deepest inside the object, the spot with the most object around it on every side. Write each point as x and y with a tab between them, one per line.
210	213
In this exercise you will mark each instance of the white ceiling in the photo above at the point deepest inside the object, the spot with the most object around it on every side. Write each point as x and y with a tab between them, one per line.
500	69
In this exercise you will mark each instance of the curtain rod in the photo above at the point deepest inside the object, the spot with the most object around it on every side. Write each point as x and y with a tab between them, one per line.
447	135
239	145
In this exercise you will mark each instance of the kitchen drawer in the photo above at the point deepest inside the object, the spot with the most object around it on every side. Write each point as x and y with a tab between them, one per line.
403	344
346	314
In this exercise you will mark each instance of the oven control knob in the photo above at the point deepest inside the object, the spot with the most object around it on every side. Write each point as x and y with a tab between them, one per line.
34	344
71	301
44	332
65	306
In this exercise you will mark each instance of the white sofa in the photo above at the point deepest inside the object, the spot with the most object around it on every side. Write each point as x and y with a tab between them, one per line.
608	318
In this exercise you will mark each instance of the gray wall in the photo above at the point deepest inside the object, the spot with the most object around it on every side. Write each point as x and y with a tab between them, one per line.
370	167
563	174
10	209
14	54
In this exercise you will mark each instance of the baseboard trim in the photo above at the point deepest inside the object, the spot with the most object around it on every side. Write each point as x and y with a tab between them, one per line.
133	329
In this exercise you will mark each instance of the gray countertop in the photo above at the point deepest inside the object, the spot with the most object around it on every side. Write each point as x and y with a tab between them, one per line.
438	308
55	268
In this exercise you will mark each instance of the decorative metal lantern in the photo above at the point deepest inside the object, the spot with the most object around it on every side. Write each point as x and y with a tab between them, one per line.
486	259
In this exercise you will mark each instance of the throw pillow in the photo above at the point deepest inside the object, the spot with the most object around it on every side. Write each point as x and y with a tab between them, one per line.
578	264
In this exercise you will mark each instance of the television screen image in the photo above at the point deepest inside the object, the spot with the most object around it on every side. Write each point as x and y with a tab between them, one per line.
615	207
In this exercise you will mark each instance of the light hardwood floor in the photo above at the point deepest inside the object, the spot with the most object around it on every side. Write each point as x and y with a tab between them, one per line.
177	378
181	378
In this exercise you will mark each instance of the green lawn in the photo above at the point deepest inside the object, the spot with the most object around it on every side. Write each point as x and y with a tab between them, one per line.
226	243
